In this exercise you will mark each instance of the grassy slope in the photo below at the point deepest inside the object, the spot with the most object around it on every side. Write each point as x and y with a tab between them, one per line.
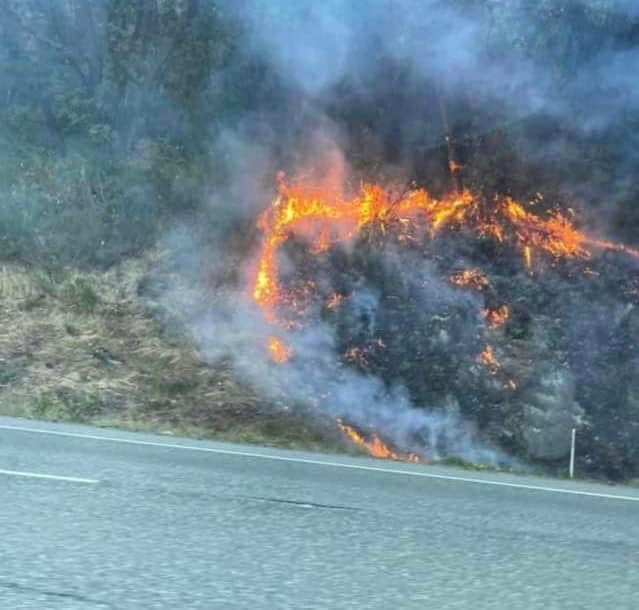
87	347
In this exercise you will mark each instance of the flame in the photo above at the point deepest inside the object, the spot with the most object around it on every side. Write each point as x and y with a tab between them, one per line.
278	350
496	317
488	359
527	257
375	445
325	217
472	278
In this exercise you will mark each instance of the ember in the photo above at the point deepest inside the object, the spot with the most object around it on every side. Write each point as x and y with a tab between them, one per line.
472	278
496	317
488	359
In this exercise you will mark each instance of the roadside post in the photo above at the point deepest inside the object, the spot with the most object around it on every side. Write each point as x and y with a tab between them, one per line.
572	453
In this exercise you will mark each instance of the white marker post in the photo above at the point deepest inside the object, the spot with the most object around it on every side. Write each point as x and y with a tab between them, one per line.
572	453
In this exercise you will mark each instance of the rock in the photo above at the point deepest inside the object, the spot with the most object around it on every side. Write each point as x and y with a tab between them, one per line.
549	413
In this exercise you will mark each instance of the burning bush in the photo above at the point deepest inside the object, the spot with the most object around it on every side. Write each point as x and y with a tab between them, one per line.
518	319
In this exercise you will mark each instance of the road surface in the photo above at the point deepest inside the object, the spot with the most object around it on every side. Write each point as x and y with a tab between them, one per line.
95	518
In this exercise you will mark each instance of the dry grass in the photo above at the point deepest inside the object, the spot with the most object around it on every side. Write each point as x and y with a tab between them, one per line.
87	347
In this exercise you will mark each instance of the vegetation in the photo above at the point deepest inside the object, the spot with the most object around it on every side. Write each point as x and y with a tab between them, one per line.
85	347
123	120
110	109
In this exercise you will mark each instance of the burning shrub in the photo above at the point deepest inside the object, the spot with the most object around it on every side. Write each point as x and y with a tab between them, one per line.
414	300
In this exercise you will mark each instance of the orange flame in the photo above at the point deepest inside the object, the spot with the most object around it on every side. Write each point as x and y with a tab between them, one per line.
325	218
488	359
278	350
472	278
375	445
527	257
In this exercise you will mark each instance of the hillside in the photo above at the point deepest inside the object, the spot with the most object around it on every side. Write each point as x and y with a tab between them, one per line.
406	228
90	347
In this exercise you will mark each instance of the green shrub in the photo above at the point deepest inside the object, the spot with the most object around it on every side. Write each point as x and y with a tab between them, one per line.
65	210
80	294
67	405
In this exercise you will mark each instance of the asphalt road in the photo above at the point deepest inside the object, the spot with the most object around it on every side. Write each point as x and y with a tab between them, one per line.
94	518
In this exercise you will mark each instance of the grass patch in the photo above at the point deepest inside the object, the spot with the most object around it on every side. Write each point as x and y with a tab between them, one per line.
458	462
72	406
80	294
95	347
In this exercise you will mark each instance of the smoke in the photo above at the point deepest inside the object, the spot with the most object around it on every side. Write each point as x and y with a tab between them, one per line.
318	381
488	48
120	122
492	64
228	324
381	79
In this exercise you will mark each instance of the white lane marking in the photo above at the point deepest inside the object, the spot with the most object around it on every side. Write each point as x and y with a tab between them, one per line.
48	477
299	460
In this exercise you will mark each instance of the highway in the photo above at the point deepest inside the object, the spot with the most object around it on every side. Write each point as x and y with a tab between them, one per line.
100	518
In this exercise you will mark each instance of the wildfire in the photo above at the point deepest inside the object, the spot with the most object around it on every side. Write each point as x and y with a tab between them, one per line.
325	218
496	317
375	445
278	350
